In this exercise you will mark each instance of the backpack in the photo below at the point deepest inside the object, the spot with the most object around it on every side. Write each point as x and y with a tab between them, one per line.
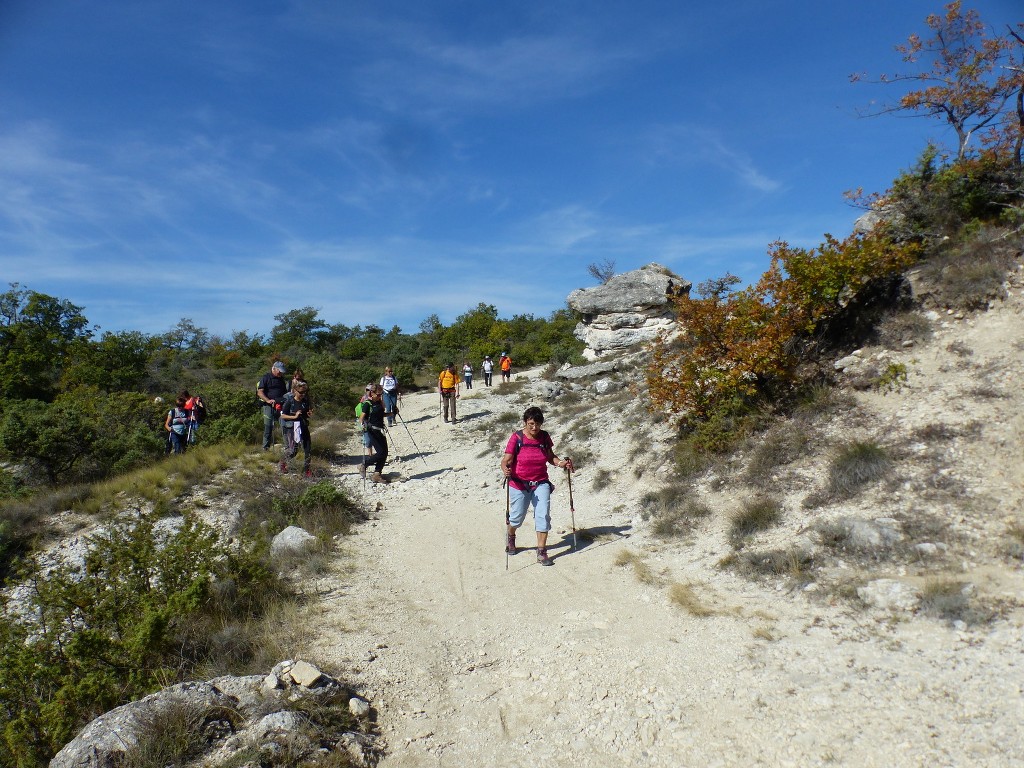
520	440
359	408
199	411
179	419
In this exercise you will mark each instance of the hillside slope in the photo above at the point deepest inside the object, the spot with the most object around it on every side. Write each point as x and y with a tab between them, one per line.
585	664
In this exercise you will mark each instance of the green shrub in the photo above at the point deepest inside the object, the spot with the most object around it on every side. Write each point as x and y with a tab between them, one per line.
936	199
96	635
893	378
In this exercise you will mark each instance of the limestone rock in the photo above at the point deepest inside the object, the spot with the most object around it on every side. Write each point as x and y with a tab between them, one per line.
293	541
103	742
358	707
629	309
305	674
889	594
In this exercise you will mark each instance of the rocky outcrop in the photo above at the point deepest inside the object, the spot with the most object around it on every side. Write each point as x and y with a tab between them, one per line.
631	308
232	716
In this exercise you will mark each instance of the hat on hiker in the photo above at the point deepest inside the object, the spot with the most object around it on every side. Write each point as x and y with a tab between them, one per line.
278	366
487	357
369	387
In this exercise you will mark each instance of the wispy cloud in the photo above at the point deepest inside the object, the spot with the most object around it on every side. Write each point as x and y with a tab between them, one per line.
692	145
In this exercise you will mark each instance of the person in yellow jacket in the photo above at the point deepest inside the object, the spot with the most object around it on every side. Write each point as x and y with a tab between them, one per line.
448	387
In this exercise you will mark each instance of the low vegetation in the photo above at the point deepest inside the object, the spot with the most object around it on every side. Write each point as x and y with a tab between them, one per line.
685	596
629	559
855	466
673	510
757	514
159	597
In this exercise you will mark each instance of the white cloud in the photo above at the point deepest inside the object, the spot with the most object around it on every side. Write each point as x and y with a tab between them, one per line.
692	145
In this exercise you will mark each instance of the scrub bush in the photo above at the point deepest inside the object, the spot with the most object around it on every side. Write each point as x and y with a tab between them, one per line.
741	347
88	637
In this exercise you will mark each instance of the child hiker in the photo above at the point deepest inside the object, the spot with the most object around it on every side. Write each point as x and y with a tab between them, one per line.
295	413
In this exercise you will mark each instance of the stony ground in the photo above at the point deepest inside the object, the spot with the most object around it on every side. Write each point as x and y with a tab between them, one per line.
472	663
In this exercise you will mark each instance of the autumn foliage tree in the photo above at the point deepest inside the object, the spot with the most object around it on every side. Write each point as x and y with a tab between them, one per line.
962	72
740	345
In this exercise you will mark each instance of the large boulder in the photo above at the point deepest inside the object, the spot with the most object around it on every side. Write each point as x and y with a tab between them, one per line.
629	309
230	717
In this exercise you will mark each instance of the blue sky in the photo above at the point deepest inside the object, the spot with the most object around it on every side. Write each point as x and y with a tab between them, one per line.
382	161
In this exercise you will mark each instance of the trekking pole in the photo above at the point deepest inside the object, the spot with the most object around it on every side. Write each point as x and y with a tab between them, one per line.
572	506
507	494
399	415
393	443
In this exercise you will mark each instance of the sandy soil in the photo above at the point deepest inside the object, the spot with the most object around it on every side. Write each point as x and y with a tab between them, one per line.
468	663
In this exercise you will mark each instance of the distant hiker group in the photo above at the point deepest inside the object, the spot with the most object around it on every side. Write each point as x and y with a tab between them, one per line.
487	367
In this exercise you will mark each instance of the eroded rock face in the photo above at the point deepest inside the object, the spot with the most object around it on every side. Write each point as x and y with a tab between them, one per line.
629	309
232	715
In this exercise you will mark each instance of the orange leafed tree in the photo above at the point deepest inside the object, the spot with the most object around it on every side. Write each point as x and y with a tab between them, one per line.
961	74
739	345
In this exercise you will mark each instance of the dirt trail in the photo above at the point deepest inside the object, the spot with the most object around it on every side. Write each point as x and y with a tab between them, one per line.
582	664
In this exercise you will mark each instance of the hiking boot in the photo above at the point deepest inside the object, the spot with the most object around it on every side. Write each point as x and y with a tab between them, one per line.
542	557
362	470
379	478
284	466
510	547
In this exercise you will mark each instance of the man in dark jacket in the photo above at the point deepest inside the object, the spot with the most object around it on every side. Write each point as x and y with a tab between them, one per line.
271	391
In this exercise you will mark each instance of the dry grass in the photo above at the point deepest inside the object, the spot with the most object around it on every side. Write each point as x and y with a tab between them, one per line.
782	444
959	348
673	510
164	481
175	734
642	571
952	601
757	514
603	478
855	466
1013	546
684	596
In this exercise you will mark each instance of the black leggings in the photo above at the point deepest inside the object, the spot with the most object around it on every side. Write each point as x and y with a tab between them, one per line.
380	447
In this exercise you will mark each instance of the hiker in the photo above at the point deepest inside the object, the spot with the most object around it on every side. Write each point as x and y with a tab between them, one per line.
295	422
505	363
299	378
372	423
364	403
176	424
197	412
391	393
448	386
525	466
271	391
467	374
487	367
